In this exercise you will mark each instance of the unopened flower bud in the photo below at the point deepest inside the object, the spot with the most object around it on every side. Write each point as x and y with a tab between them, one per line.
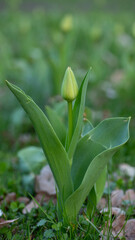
69	88
67	23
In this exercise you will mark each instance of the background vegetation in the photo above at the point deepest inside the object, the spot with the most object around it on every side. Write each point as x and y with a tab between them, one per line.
38	40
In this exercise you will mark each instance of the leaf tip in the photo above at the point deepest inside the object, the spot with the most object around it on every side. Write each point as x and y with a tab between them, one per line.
128	119
88	73
6	81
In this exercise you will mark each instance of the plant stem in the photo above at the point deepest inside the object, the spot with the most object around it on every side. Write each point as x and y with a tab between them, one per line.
70	122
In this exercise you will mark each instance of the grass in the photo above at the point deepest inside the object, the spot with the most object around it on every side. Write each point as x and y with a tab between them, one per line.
42	223
36	226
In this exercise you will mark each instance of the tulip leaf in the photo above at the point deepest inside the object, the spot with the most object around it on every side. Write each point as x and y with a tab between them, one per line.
85	152
57	124
113	133
100	184
87	126
54	150
92	202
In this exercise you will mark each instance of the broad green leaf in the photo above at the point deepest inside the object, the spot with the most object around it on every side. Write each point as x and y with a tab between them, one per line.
28	182
31	159
78	111
100	184
85	152
54	150
109	133
116	138
92	202
57	124
75	200
87	126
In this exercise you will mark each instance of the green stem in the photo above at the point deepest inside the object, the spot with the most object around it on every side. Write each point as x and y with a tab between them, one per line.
70	123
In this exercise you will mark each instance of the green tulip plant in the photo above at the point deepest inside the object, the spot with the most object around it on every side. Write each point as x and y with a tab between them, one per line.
78	160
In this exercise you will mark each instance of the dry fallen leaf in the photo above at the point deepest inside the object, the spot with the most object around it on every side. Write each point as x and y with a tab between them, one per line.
4	222
45	181
116	198
29	207
41	198
44	197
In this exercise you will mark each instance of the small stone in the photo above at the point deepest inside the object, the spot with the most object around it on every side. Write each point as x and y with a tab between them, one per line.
10	197
116	198
24	200
127	170
130	229
118	224
45	181
114	211
129	195
102	203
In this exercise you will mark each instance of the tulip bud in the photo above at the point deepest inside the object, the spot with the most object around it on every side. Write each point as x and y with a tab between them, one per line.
67	23
69	88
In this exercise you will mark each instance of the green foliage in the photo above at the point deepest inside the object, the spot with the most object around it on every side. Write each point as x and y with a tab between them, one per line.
41	222
57	124
31	159
46	43
56	154
82	167
48	234
37	61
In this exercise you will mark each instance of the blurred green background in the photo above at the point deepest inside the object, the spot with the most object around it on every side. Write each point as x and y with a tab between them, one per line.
40	39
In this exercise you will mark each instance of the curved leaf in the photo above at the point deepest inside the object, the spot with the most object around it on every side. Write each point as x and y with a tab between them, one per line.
85	152
87	127
109	133
117	138
54	150
57	124
92	202
100	184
